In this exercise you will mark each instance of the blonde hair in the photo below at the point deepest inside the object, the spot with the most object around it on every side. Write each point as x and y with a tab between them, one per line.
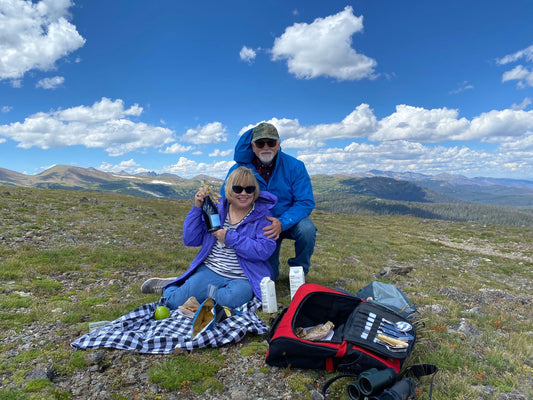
241	176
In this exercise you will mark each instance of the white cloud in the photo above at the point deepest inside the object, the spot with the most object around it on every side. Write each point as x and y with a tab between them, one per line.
176	148
522	145
102	125
324	48
408	123
34	35
520	73
526	53
101	111
213	132
359	123
6	109
247	54
220	153
402	155
129	166
420	124
523	105
189	168
408	140
462	87
495	125
50	83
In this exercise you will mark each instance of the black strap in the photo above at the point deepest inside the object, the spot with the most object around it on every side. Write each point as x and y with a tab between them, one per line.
274	322
416	371
330	381
420	370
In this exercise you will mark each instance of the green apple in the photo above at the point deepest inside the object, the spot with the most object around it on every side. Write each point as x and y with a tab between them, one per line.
161	312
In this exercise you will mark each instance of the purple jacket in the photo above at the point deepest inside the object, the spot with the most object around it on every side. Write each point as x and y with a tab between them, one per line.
253	249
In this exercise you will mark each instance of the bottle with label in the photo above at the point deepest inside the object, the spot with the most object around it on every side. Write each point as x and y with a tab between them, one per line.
212	219
296	279
268	295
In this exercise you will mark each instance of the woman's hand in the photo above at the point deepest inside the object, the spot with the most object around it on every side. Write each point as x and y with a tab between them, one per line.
220	234
199	197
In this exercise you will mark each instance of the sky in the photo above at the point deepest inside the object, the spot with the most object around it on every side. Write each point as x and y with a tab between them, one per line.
168	86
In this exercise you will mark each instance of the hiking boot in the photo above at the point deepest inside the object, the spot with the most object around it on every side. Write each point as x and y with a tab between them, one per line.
155	285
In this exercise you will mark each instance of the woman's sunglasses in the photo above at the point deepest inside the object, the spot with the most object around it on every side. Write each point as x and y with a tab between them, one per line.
270	143
239	189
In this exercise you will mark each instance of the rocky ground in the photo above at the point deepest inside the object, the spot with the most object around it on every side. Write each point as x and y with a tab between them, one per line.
112	373
109	373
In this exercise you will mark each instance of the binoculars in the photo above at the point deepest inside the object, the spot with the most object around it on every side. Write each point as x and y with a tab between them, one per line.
402	390
373	383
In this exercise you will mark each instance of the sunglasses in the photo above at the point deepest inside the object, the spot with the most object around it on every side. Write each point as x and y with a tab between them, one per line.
239	189
270	143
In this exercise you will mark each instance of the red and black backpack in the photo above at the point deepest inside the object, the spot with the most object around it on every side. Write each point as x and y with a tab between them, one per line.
360	338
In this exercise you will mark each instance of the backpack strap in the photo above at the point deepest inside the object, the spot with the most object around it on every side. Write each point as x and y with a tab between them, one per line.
274	322
417	371
420	370
330	381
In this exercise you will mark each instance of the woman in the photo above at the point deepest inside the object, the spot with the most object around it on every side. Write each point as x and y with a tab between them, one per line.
234	259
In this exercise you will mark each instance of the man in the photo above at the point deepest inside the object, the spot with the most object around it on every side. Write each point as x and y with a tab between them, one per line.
287	178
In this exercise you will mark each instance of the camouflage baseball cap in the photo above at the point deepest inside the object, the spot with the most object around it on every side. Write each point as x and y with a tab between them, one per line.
265	131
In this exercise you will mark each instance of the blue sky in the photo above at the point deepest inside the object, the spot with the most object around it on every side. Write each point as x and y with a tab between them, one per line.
167	86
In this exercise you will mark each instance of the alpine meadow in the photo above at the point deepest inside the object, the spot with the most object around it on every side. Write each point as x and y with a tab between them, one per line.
69	257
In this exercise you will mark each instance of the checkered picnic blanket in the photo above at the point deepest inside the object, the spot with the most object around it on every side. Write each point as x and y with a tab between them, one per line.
138	330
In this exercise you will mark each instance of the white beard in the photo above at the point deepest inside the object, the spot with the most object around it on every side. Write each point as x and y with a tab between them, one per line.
266	157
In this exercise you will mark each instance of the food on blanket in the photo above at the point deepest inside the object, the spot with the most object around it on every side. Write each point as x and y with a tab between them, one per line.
190	307
317	332
161	312
204	318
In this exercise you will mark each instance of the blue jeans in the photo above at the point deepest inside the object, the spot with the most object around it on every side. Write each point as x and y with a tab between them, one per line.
230	292
304	236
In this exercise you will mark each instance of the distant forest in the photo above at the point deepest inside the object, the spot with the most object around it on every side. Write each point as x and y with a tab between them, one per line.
483	214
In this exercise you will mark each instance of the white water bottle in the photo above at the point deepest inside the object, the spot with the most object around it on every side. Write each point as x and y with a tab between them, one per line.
268	295
296	279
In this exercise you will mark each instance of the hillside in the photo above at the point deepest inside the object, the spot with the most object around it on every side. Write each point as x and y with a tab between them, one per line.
75	178
479	213
442	197
480	190
69	258
383	195
380	187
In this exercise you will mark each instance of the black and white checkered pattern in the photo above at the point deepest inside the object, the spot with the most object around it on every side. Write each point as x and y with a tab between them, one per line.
138	330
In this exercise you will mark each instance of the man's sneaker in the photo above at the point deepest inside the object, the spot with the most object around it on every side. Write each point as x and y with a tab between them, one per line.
155	285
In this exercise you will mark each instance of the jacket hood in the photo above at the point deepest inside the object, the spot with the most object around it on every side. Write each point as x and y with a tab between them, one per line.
243	149
269	199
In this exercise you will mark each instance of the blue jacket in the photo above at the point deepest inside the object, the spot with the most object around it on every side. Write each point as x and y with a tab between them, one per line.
290	182
252	247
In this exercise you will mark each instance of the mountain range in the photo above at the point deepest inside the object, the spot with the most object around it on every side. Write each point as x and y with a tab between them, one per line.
410	187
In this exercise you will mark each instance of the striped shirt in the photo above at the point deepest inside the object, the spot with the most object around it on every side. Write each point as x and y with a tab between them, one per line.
222	259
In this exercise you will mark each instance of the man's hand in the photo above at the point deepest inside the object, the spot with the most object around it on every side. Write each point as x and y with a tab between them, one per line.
272	231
